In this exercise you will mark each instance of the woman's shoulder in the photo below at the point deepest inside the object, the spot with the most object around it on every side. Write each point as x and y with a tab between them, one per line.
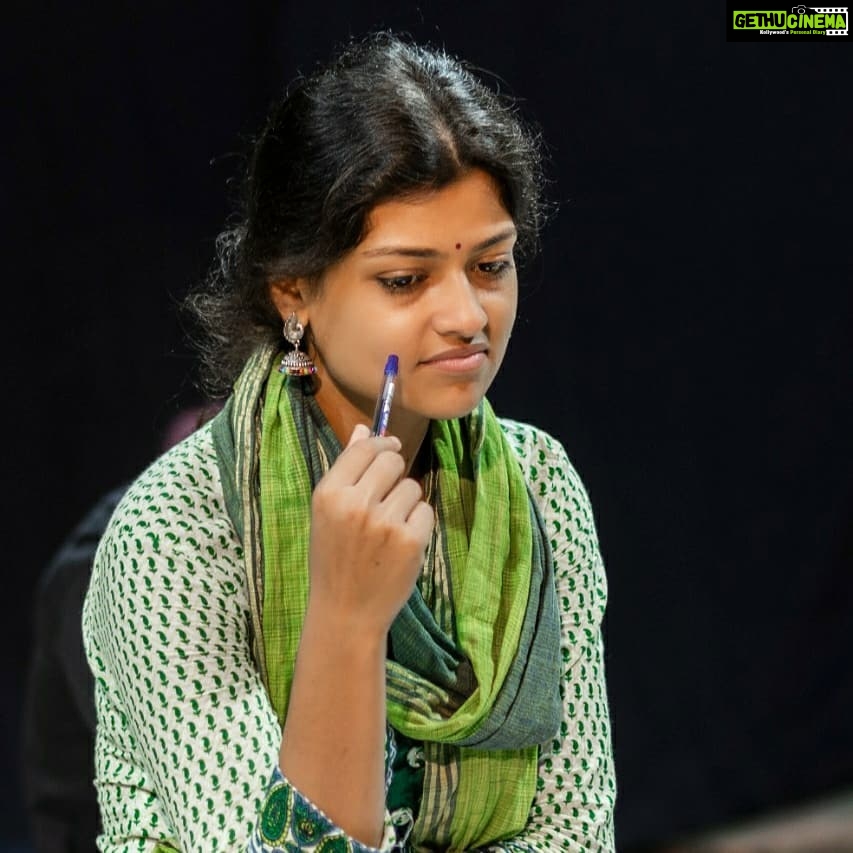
179	490
558	491
189	463
543	458
533	445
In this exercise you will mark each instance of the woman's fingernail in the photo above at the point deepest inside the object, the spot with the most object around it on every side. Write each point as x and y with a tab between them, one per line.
360	431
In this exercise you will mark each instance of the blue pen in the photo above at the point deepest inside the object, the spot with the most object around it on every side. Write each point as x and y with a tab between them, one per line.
383	404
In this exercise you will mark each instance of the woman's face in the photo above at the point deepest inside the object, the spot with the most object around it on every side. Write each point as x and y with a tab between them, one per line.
434	282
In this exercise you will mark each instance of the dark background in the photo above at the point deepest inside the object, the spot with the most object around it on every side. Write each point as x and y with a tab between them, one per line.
686	333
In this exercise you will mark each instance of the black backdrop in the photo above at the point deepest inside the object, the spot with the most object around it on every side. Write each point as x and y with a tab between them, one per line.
686	333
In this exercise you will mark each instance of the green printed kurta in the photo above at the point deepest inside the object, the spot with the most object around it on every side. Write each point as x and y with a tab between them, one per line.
187	742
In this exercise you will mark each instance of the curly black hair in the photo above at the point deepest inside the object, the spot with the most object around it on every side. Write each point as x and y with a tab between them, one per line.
385	118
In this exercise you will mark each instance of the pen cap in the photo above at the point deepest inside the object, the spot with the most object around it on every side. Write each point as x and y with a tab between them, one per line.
391	365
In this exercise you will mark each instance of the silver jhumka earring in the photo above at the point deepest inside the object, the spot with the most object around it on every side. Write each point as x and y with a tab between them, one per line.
295	362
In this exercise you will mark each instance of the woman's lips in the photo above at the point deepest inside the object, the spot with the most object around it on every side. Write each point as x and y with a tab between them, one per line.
458	361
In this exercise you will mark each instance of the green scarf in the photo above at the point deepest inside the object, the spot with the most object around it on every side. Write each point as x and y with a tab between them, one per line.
474	693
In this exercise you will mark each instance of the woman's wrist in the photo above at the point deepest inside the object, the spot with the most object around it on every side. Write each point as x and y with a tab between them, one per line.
347	633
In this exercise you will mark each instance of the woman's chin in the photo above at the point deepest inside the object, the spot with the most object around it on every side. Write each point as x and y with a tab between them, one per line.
446	410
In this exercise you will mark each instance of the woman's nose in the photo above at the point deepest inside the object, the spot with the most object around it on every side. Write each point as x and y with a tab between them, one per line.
460	311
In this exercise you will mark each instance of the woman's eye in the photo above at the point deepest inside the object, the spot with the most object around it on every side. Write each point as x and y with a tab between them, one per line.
400	283
494	269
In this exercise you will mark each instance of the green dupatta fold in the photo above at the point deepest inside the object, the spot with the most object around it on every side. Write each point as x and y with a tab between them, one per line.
481	697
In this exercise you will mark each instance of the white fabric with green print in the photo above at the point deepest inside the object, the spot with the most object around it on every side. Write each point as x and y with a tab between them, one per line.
188	742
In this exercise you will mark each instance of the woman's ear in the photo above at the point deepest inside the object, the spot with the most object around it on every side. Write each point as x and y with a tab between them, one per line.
290	296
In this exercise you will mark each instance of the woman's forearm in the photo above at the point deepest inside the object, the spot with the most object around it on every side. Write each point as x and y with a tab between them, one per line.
333	743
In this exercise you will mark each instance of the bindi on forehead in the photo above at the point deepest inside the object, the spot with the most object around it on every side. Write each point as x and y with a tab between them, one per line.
458	245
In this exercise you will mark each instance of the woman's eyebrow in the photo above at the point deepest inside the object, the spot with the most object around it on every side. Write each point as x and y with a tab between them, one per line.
417	252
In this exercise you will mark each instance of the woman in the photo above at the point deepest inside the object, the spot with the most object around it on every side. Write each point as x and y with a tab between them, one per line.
305	635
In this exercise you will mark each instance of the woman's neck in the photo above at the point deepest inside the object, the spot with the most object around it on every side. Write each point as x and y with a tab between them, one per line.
411	429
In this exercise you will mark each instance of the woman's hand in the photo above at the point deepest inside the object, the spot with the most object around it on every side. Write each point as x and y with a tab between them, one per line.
369	532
